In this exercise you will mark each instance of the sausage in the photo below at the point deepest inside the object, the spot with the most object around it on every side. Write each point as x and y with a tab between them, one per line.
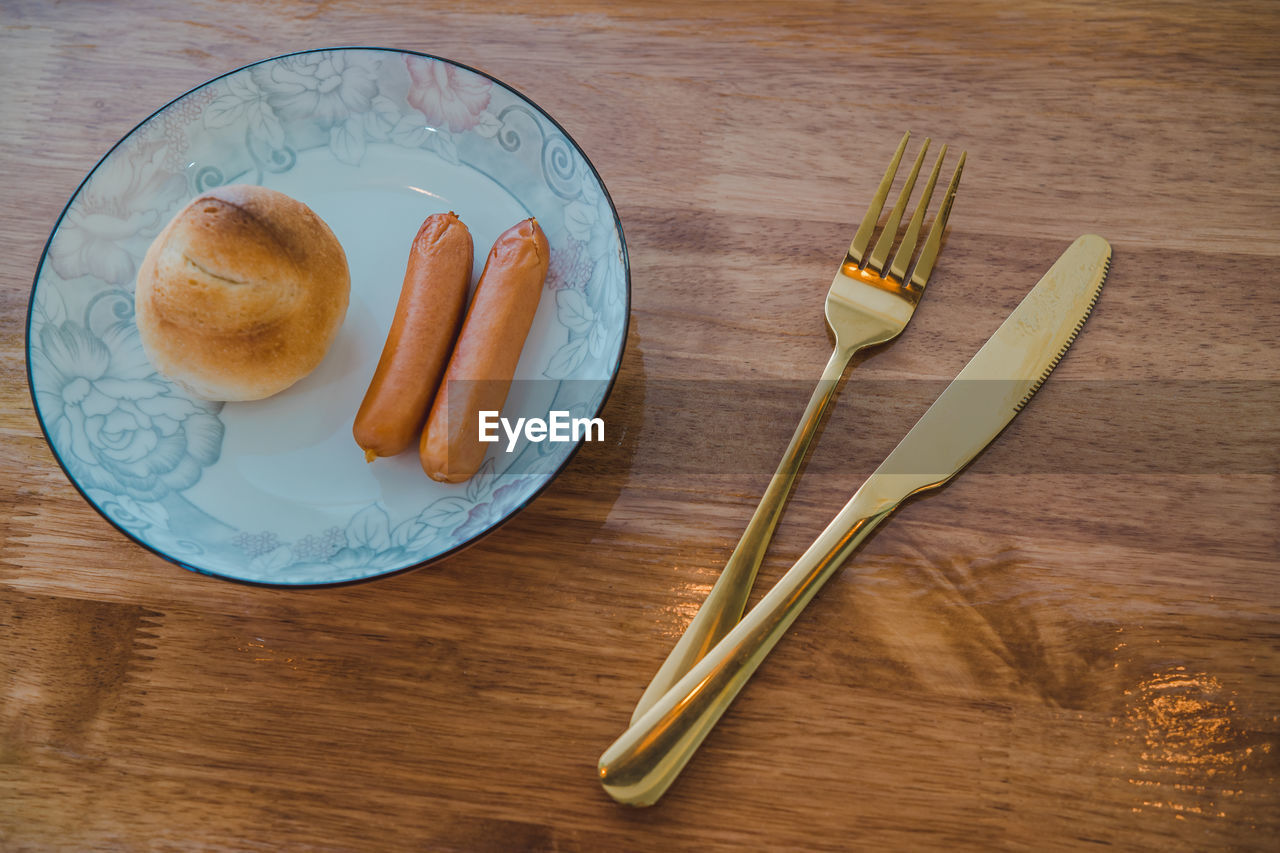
484	359
428	313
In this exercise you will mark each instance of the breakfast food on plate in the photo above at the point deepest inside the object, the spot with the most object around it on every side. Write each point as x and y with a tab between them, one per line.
241	294
428	314
484	359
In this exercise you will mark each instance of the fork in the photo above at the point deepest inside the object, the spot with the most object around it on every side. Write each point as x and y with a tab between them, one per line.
870	302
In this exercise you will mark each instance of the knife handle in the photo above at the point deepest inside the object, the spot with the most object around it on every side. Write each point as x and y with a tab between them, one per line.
640	765
723	606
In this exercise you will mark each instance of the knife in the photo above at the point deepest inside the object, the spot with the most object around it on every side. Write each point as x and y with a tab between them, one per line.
986	395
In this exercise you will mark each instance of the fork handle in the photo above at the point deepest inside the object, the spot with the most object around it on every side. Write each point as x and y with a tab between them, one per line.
641	764
726	601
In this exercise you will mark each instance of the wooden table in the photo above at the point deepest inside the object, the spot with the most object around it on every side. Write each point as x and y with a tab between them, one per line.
1055	651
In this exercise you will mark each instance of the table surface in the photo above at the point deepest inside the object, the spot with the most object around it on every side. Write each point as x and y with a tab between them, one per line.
1076	642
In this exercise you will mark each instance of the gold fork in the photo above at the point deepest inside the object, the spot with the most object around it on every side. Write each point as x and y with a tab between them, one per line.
868	303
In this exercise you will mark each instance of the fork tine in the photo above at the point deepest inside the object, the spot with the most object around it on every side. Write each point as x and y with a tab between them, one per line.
928	255
881	252
898	270
863	236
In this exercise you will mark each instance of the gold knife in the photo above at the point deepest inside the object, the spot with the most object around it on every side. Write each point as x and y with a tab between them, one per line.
992	388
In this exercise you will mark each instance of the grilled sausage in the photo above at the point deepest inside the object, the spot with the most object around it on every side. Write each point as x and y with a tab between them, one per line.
426	322
484	359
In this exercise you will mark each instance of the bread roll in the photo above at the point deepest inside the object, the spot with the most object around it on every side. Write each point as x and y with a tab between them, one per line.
241	294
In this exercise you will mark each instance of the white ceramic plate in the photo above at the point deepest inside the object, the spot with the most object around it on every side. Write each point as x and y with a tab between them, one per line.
276	491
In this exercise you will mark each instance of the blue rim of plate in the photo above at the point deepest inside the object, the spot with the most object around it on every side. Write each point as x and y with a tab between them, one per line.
461	546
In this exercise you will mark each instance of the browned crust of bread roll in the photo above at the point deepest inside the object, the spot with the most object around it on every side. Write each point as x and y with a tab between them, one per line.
241	294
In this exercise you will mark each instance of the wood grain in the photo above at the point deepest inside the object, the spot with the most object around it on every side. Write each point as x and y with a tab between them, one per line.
1080	651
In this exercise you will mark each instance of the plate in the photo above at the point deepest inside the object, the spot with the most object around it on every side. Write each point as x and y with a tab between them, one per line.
276	491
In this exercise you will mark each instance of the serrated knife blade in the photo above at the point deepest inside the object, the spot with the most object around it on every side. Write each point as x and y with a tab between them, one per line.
986	395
